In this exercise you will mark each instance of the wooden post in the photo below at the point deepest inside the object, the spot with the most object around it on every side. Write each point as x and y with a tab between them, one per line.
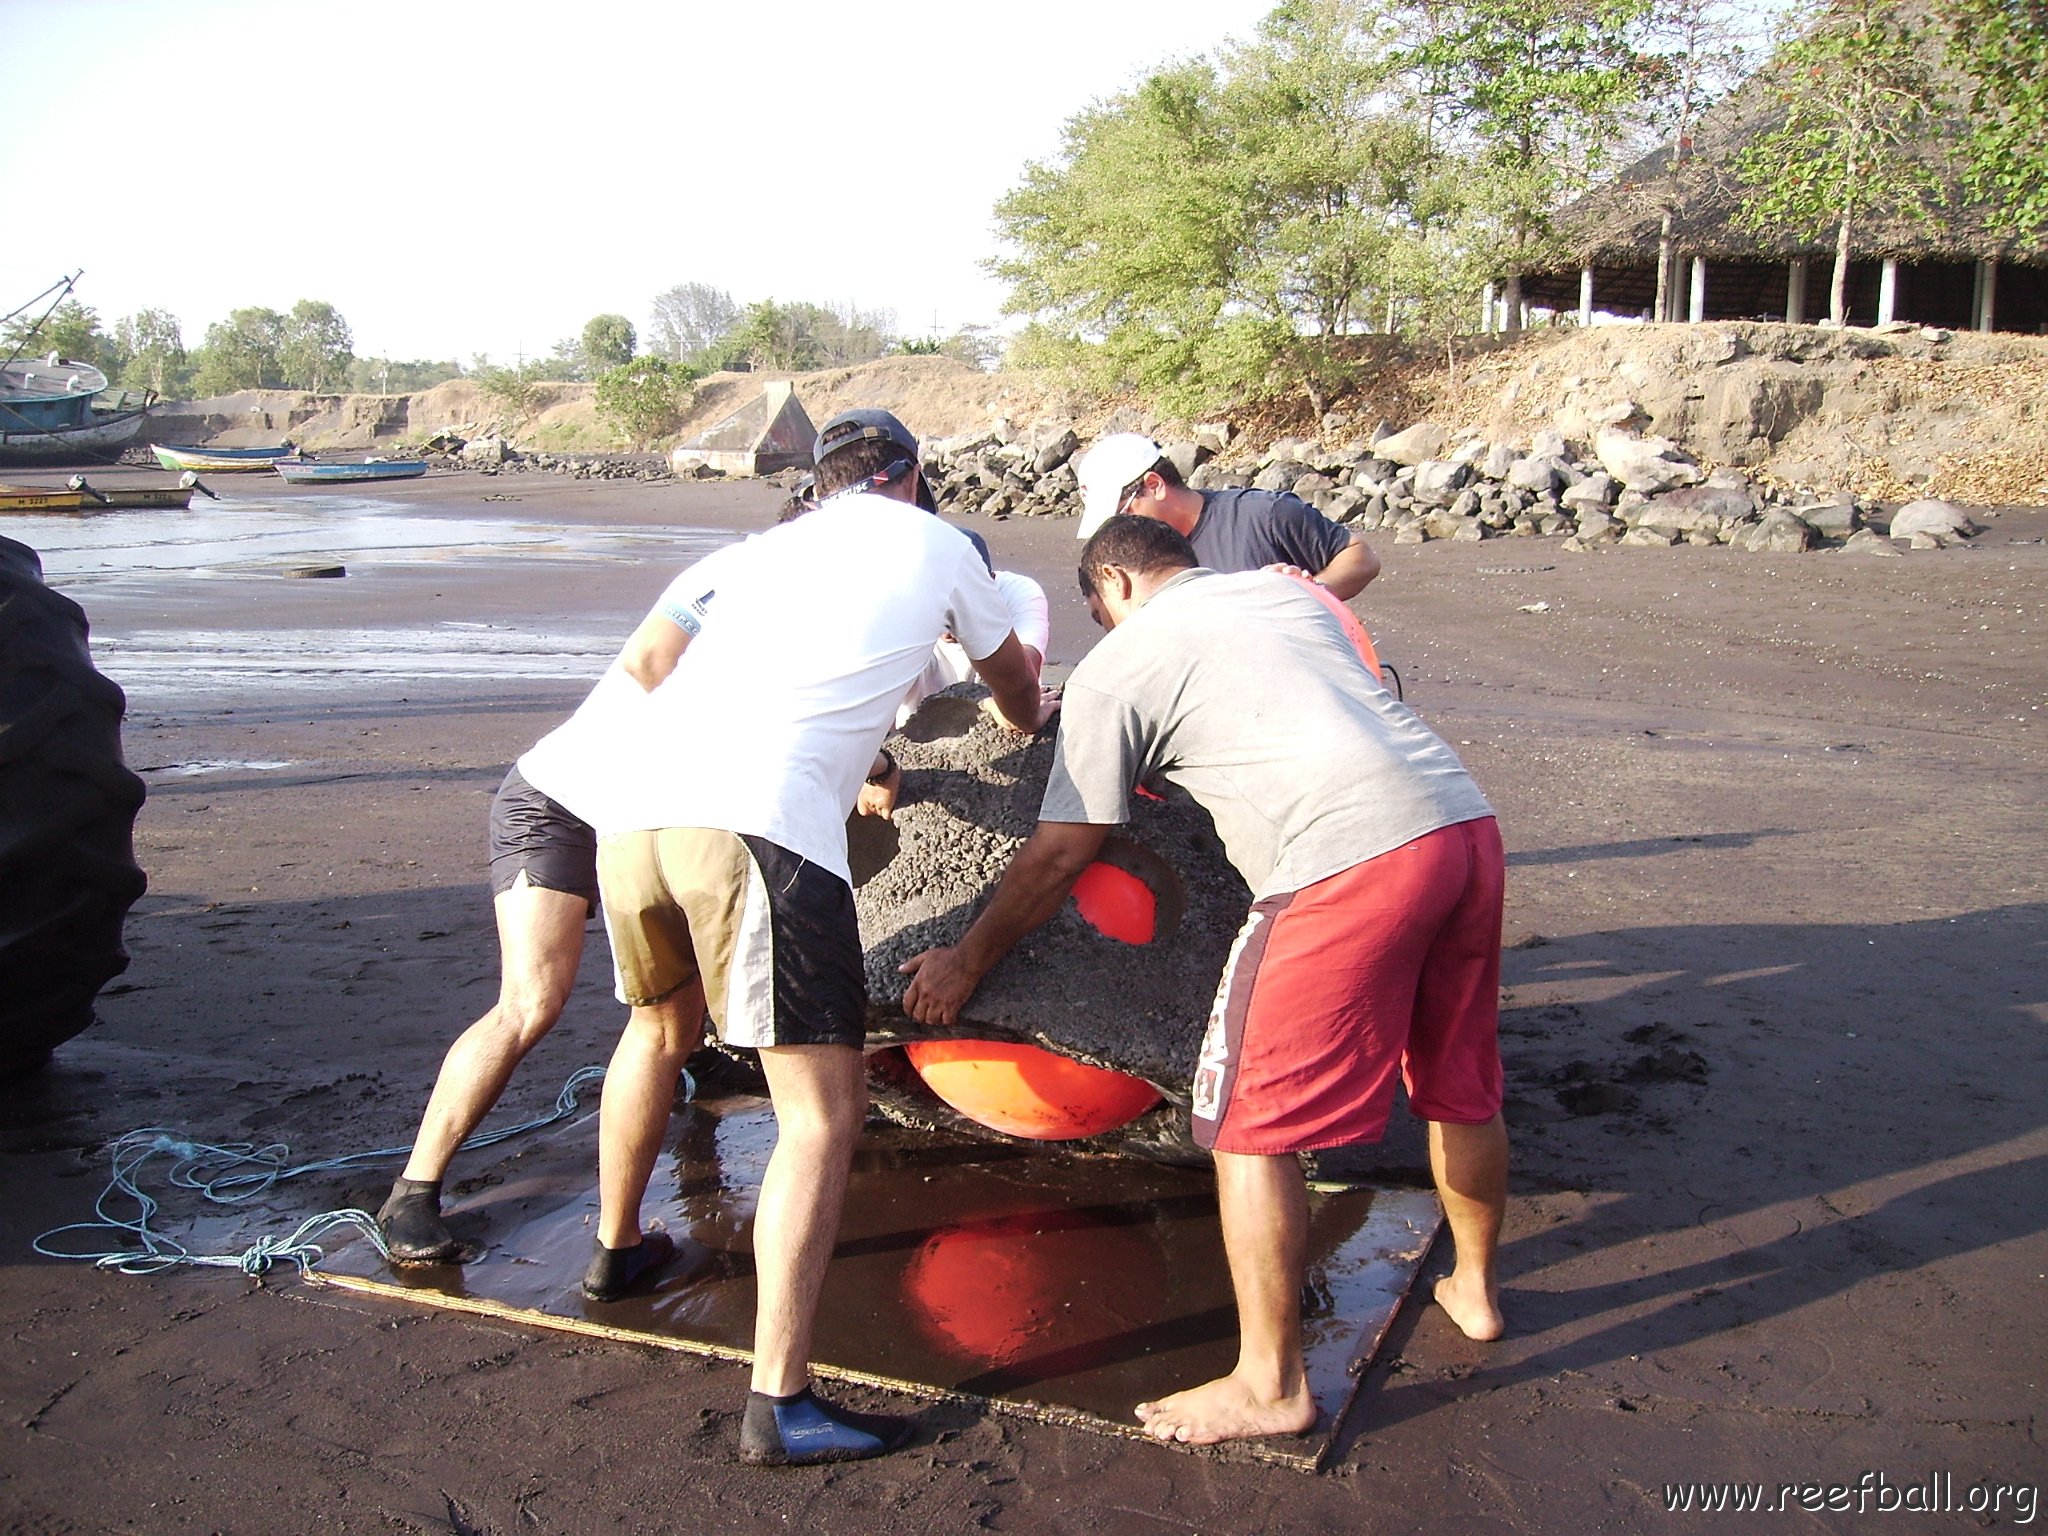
1697	310
1486	310
1795	291
1887	290
1987	302
1585	295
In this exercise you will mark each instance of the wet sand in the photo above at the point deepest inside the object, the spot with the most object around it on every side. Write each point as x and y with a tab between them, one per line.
1774	1032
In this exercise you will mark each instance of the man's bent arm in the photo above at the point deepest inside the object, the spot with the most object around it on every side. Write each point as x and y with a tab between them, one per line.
1354	566
1037	881
1014	681
653	650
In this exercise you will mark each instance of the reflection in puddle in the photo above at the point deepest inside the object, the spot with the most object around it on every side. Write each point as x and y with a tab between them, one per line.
1052	1284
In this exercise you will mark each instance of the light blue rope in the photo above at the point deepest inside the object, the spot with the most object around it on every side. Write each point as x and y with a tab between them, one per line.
238	1171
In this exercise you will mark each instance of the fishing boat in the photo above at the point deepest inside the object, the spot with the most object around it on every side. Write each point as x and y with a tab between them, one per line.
338	471
38	498
53	410
126	497
221	461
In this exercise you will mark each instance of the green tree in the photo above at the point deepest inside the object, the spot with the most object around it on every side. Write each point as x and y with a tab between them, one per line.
1695	52
1538	90
241	352
607	342
776	336
645	398
2002	48
71	330
155	348
314	347
1857	92
513	390
691	319
389	376
1217	231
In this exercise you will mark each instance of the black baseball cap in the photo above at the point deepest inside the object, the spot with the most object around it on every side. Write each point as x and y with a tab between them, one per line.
868	425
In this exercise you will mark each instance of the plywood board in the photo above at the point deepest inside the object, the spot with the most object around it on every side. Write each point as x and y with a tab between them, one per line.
1056	1286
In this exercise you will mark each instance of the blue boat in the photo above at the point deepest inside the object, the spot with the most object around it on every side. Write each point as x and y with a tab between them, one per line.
337	471
219	461
52	409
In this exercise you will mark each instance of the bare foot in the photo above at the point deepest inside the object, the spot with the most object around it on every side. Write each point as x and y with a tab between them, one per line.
1225	1409
1473	1306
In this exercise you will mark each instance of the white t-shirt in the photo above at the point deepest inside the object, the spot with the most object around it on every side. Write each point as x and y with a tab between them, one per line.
554	765
770	721
1030	621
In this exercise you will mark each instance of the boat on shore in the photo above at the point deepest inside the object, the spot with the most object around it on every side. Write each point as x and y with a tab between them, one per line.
39	498
53	411
340	471
131	497
221	461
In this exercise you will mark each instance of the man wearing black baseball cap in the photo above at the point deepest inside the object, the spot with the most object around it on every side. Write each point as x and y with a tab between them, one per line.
720	805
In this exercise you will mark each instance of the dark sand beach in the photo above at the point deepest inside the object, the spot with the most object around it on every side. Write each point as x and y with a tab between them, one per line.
1774	1026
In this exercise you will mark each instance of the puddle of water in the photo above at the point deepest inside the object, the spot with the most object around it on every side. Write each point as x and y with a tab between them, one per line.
247	534
1043	1283
155	665
204	765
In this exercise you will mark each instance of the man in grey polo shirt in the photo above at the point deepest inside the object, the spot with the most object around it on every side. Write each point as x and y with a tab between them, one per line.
1231	530
1371	952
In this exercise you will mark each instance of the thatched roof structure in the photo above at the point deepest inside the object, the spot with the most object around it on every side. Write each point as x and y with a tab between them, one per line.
1619	223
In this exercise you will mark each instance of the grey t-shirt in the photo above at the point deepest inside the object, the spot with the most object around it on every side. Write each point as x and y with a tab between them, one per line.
1245	691
1241	530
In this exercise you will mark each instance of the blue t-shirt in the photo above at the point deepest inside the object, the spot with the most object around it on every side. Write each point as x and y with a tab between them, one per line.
1246	530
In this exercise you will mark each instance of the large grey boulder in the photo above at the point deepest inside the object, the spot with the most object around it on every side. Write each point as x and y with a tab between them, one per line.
1538	476
1698	506
1867	541
1647	464
1941	519
1438	481
1778	533
1424	440
1055	451
1595	493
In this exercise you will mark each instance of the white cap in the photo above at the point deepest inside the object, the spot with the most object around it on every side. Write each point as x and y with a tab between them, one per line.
1104	471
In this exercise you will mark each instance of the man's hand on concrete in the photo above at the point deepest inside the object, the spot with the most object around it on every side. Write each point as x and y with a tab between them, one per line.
940	985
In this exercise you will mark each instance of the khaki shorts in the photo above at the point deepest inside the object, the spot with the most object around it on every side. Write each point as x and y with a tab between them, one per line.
772	935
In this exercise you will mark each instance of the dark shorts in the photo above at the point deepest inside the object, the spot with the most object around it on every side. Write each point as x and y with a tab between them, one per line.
772	937
534	836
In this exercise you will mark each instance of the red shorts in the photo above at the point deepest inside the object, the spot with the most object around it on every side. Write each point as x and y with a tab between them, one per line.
1393	964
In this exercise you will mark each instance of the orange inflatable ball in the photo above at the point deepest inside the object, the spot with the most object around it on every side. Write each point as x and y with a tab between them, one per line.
1117	902
1021	1090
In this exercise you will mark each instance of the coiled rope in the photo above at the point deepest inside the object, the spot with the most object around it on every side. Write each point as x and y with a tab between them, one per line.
237	1171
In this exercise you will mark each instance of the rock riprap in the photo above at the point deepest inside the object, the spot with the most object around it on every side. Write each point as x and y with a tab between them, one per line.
971	792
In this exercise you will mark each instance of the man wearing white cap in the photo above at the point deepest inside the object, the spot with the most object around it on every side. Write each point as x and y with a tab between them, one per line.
1231	530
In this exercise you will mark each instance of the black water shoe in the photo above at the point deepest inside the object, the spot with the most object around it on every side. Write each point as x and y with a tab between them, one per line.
614	1271
412	1226
799	1431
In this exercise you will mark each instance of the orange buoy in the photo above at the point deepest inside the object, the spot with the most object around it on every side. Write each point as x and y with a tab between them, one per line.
1022	1090
1117	902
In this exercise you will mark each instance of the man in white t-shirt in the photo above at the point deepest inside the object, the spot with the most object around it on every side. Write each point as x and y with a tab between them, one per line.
543	862
720	802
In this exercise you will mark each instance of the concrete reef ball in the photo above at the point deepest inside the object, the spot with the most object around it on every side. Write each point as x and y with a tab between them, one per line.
971	792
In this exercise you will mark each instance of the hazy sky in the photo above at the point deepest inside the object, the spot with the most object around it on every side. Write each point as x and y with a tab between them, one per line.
475	178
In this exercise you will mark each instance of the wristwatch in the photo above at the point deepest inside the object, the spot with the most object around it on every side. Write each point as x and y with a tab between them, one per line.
883	777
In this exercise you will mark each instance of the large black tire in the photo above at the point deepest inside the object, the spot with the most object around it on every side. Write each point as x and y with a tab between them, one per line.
67	819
